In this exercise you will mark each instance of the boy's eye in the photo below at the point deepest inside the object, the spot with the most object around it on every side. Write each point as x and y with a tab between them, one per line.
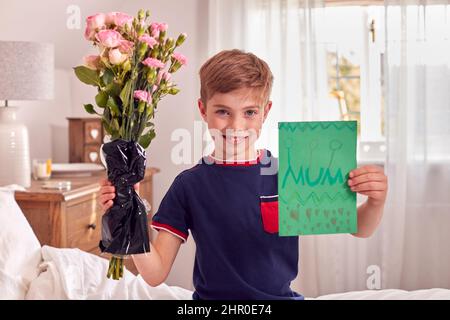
251	113
222	112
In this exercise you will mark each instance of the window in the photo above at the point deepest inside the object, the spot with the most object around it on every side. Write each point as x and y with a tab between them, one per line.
346	80
354	45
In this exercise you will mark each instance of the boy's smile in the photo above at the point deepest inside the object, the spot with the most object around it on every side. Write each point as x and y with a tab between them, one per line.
234	139
234	121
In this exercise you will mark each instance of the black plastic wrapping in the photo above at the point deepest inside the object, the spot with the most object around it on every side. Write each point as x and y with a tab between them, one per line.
124	225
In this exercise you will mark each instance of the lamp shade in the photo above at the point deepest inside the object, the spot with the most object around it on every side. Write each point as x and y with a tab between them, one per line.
26	73
26	70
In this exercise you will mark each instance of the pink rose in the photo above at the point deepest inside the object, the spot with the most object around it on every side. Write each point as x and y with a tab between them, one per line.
180	58
155	63
126	46
156	28
109	18
92	62
119	19
163	26
163	75
89	34
116	57
142	95
109	38
96	21
93	24
148	40
122	19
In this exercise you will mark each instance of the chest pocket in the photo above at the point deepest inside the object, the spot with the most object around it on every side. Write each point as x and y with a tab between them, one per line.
268	200
269	213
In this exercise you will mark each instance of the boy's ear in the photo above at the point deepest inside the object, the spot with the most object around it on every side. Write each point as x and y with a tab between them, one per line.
202	109
267	108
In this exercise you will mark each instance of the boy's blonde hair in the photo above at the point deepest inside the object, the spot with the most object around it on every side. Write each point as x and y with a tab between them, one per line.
229	70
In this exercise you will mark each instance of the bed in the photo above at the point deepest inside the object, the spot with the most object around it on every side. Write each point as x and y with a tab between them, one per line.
31	271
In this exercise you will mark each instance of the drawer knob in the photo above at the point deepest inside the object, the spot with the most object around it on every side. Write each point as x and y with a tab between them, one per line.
92	226
93	156
94	133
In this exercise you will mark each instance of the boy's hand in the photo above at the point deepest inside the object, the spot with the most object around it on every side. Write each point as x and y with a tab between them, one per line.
371	181
108	193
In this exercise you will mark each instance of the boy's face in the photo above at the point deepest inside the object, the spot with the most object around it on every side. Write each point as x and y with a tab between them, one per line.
234	121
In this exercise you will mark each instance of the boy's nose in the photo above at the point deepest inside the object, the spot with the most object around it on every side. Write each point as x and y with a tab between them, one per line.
237	125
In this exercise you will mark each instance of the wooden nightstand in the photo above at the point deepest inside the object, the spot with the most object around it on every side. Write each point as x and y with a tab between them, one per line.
72	218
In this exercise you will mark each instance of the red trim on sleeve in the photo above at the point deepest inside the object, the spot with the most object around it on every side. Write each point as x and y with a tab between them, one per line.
169	228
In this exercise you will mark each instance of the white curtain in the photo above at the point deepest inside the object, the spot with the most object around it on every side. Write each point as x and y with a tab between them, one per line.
410	248
415	233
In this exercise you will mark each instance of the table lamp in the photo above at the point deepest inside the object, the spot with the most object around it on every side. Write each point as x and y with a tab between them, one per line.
26	73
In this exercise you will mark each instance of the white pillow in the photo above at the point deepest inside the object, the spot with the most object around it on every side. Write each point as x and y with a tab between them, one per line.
20	250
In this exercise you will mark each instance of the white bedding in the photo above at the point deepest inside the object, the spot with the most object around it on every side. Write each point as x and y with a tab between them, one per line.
75	274
390	294
29	271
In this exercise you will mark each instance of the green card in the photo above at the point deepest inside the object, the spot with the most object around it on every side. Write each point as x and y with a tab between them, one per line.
315	159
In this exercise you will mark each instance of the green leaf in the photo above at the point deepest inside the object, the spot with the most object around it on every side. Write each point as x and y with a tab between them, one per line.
113	89
107	115
145	139
149	124
125	93
115	124
107	77
150	111
141	106
115	129
173	91
106	126
101	99
90	109
112	104
87	76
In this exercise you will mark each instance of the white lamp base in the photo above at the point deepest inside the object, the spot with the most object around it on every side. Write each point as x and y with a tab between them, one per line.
14	150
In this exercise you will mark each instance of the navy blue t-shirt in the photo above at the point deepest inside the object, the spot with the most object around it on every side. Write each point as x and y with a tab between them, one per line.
231	210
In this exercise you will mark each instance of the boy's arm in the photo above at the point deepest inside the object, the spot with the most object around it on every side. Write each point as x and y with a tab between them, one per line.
370	181
154	267
369	217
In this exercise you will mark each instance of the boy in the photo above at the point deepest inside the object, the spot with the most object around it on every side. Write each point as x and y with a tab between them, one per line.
238	255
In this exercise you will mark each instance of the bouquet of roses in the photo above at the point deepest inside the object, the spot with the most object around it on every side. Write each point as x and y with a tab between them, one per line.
132	73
